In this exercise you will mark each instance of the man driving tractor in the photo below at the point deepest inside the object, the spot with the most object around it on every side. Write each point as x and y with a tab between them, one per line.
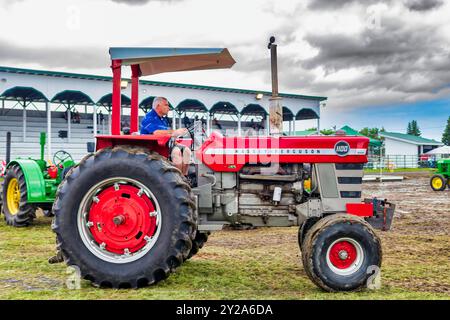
155	122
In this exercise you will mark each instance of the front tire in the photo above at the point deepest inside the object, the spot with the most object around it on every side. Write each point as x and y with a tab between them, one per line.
124	217
438	182
18	212
303	230
339	251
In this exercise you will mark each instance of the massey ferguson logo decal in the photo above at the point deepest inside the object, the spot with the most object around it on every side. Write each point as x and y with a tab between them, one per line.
342	148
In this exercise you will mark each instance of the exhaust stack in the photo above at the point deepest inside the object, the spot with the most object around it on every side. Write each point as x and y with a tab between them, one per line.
275	107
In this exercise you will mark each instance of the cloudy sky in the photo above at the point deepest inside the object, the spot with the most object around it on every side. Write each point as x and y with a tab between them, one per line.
380	62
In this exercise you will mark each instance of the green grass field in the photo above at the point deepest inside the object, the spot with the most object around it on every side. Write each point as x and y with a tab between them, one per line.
256	264
397	170
253	264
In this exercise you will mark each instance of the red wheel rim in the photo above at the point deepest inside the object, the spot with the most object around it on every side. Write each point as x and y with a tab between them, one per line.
342	254
122	219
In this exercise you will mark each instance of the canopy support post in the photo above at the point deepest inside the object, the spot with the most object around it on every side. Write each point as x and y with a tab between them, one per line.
134	98
116	98
208	123
239	124
24	120
318	125
69	120
110	119
179	121
94	123
49	130
174	120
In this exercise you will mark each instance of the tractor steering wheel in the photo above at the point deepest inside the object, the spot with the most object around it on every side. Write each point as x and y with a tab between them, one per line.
191	131
60	157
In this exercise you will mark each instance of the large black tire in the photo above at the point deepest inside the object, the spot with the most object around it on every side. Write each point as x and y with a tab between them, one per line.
176	203
26	212
438	178
198	243
334	230
303	230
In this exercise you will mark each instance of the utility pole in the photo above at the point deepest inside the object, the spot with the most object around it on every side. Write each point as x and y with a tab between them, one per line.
275	107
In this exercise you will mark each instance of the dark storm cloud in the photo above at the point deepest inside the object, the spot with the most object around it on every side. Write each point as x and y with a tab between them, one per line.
76	57
337	4
401	57
413	5
141	2
423	5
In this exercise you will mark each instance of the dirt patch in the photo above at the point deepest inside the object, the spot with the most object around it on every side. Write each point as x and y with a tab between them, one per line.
419	210
416	251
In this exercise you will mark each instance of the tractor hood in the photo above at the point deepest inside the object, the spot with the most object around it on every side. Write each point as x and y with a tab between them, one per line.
160	60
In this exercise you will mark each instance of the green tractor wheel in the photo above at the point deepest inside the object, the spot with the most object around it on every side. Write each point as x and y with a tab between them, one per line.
18	212
438	182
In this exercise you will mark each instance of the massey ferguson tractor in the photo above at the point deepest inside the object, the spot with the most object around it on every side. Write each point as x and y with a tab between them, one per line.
126	217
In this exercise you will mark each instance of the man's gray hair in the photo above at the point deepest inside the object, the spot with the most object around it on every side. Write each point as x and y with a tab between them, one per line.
157	101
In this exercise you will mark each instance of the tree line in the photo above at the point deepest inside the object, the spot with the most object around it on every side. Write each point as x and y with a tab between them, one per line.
374	133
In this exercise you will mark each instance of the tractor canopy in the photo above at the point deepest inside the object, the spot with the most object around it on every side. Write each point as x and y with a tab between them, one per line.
148	61
160	60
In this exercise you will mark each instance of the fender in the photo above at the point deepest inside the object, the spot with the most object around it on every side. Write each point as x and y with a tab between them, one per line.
33	178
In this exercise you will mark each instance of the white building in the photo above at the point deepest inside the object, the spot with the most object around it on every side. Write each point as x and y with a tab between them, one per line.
403	150
34	101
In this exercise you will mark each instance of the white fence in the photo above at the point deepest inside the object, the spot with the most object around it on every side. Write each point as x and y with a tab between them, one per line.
390	162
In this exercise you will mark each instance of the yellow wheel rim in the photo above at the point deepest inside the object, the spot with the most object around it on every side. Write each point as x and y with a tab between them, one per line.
13	196
436	183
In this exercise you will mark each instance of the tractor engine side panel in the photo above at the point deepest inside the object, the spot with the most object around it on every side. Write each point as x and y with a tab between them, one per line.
257	207
231	154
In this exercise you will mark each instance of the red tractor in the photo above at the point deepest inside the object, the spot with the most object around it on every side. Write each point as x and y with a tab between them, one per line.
128	218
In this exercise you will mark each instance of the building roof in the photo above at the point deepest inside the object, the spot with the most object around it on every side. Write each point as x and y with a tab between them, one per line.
305	132
254	109
352	132
153	83
23	93
410	138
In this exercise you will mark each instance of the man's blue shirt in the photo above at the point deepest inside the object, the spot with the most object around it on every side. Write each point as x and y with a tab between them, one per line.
153	122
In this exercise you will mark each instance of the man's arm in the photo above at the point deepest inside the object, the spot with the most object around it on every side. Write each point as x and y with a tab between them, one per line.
173	133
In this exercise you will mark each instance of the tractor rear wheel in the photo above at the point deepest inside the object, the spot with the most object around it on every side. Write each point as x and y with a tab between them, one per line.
198	243
125	217
340	252
438	182
18	212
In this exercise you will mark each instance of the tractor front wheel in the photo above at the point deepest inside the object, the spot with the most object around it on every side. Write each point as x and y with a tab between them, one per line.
438	182
125	217
340	253
18	212
303	230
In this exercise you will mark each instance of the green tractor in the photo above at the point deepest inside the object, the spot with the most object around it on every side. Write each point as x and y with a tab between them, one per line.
441	179
29	184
